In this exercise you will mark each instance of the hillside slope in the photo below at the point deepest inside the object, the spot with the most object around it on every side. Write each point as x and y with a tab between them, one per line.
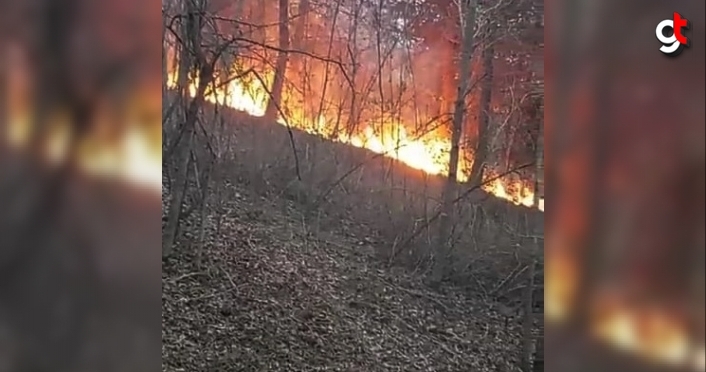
276	297
346	182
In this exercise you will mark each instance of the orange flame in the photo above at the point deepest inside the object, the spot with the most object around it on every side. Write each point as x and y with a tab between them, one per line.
656	334
135	156
429	152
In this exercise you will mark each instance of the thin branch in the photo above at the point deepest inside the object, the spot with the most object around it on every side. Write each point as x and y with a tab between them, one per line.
461	197
304	53
286	123
360	164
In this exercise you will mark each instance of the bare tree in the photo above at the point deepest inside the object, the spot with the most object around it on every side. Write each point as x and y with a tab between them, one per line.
275	100
533	348
299	37
192	59
484	109
468	20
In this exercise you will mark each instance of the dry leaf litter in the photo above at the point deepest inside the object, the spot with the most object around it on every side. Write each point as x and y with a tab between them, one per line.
271	296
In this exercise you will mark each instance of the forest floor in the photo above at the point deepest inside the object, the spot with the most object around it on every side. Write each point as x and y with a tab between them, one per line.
275	297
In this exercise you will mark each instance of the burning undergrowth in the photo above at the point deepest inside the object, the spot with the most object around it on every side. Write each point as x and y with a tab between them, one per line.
299	252
356	192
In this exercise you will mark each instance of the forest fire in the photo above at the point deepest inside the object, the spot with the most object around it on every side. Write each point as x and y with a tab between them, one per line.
653	333
125	146
133	157
428	152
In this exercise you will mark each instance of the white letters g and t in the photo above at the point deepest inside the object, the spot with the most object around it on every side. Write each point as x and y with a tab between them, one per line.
670	42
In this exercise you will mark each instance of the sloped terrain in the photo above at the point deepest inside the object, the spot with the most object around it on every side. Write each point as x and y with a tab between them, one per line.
275	297
357	192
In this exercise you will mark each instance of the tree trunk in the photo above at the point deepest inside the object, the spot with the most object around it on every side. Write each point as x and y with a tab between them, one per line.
178	191
203	212
165	67
447	83
354	114
275	100
481	152
528	321
299	42
177	194
183	150
300	26
444	246
539	175
534	346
